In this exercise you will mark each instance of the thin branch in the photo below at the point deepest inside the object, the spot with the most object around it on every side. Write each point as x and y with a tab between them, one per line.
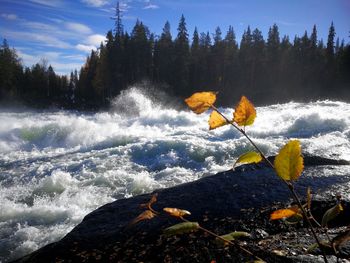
225	240
289	185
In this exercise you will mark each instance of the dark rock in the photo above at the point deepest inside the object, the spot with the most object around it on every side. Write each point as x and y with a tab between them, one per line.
310	160
259	233
239	200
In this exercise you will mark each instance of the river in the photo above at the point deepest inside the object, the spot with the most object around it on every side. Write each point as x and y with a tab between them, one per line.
57	166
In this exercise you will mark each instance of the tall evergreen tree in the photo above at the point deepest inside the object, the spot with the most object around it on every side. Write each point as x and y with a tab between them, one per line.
10	71
194	68
164	55
181	61
330	42
118	25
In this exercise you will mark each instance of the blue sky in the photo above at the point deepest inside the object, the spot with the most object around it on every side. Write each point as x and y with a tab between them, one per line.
64	31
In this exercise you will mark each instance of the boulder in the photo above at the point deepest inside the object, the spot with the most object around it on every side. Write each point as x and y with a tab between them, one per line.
235	200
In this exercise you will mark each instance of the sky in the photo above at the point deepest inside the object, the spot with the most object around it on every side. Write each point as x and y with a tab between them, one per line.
63	32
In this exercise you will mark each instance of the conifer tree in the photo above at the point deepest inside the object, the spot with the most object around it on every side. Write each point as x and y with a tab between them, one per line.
181	61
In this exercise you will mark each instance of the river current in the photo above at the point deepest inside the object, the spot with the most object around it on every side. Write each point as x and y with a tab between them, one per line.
57	166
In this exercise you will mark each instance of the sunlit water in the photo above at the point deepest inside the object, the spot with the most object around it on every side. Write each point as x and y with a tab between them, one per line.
55	167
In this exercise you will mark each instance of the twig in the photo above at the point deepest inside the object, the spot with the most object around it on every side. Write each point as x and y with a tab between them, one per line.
289	185
225	240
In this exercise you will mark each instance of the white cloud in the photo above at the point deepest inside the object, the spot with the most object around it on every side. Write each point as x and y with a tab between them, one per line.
64	68
74	57
27	59
52	58
39	26
151	6
50	55
9	16
50	3
95	40
85	48
124	6
91	43
79	28
38	38
95	3
286	23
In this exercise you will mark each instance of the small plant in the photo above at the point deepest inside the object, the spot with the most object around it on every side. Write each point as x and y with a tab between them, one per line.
288	165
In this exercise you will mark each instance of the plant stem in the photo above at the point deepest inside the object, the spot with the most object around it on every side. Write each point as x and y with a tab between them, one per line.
289	185
225	240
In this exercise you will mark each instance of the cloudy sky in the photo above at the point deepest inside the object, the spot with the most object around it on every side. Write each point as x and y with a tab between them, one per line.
64	31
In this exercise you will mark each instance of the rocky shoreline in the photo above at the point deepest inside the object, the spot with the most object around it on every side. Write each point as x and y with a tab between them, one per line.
239	200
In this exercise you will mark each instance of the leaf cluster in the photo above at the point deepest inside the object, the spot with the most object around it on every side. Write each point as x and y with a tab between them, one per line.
288	166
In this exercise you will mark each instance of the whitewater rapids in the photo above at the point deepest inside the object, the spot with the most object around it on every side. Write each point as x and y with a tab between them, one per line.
57	166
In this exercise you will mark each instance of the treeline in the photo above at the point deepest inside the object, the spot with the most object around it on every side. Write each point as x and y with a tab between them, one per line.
37	86
267	71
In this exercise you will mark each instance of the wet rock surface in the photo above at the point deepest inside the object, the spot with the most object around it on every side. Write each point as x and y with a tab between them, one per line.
239	200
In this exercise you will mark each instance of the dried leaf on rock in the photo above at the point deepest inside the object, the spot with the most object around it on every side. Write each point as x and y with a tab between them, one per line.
176	212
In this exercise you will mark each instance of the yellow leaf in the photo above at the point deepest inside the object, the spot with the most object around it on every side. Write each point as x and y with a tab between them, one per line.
331	214
216	120
176	212
289	162
249	157
146	215
245	113
201	101
283	213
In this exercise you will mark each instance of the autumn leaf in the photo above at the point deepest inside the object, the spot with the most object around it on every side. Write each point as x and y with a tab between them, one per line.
145	215
331	214
150	202
249	157
176	212
231	236
289	162
199	102
284	213
216	120
245	113
181	228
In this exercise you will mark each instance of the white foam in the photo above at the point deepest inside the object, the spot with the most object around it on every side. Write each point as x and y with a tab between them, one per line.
55	167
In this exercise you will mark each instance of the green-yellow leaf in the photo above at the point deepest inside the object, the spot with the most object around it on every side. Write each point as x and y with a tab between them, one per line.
245	113
231	236
216	120
311	248
294	219
249	157
289	163
199	102
181	228
331	214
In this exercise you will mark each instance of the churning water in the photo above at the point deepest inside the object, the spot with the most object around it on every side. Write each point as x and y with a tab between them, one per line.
55	167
